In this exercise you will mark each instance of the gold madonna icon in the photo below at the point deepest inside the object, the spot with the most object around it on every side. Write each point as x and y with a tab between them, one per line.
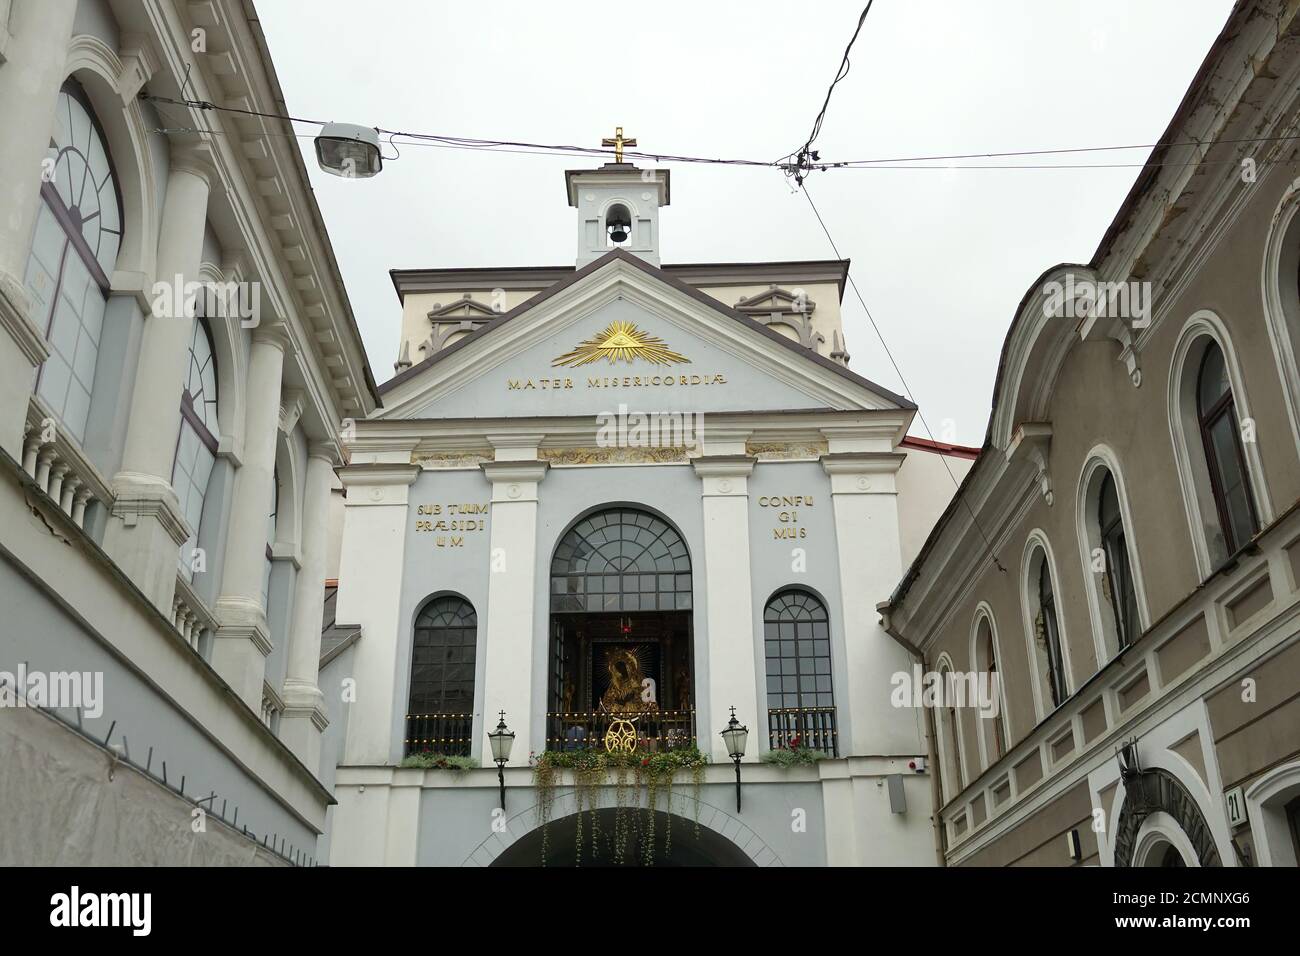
621	342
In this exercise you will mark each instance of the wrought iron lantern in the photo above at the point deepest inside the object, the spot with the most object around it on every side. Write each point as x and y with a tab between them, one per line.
502	740
735	735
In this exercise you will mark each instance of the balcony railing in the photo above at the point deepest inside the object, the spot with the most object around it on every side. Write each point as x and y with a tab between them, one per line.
59	466
653	731
190	616
447	734
812	727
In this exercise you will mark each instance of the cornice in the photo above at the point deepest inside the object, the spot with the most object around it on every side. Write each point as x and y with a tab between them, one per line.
378	473
724	466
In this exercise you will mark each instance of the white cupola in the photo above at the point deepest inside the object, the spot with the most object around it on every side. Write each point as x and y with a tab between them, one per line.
618	208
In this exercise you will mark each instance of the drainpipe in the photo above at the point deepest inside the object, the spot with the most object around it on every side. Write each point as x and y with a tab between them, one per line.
932	756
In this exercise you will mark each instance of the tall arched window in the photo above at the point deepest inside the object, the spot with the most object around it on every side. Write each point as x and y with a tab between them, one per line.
1216	412
800	698
1118	572
269	566
950	738
196	446
1046	641
992	726
441	705
74	249
1049	633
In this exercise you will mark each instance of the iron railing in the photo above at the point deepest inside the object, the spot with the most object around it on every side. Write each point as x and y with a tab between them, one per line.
811	727
447	734
654	731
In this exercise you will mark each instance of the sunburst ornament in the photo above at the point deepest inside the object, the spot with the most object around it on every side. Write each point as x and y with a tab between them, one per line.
621	342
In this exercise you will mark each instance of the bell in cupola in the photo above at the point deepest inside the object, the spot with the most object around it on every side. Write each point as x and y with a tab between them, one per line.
618	223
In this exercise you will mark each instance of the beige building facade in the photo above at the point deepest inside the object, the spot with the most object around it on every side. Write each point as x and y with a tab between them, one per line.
1125	552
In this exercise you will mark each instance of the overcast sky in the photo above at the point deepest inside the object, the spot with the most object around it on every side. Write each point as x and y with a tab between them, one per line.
942	256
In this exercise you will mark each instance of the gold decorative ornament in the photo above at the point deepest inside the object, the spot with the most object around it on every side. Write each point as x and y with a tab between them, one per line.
621	736
621	342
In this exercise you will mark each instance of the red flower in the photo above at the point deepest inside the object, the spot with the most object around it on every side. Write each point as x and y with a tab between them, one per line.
794	742
645	761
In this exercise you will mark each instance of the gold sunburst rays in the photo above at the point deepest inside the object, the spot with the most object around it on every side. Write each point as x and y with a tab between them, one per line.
621	342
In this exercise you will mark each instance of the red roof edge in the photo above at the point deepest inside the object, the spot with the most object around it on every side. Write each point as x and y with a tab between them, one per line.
941	448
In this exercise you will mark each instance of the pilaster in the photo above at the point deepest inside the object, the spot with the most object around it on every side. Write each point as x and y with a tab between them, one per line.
375	523
303	718
865	503
512	597
733	680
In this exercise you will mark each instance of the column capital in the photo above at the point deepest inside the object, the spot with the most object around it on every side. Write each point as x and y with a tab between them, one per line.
195	158
862	473
326	451
724	475
274	334
723	466
514	480
378	474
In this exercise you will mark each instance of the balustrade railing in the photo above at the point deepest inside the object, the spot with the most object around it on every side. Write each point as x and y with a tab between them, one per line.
447	734
811	727
190	616
650	731
58	465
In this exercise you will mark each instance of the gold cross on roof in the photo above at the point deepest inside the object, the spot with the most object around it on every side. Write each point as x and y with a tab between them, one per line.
618	142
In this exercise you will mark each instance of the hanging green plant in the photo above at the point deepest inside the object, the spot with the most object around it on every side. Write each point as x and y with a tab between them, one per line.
590	768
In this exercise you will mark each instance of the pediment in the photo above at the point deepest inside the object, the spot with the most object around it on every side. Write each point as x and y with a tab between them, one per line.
620	331
776	300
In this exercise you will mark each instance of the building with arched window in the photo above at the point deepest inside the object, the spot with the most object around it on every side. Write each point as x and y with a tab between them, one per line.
1129	532
177	356
609	506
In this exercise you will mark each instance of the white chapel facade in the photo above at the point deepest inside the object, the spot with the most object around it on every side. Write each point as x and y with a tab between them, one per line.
628	490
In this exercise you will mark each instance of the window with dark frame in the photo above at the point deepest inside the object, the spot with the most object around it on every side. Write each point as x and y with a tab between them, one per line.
271	529
74	248
1225	457
196	442
1051	633
1292	811
999	719
796	634
1120	586
621	559
442	657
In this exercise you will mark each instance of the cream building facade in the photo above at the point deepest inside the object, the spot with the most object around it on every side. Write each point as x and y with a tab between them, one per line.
512	543
167	479
1125	552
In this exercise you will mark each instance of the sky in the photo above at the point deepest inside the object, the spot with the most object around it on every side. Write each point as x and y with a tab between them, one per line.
942	255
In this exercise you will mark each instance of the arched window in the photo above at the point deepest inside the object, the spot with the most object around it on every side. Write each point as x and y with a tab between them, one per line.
270	538
992	726
954	774
800	698
1216	412
1047	648
441	705
196	446
621	560
1118	572
1049	632
74	249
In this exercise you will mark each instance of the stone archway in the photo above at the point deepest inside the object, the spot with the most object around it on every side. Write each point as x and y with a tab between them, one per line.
709	848
1161	791
724	839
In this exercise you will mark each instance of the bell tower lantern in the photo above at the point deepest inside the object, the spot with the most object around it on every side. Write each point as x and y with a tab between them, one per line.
618	206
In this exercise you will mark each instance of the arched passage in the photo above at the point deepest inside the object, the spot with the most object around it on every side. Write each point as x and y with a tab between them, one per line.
685	848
